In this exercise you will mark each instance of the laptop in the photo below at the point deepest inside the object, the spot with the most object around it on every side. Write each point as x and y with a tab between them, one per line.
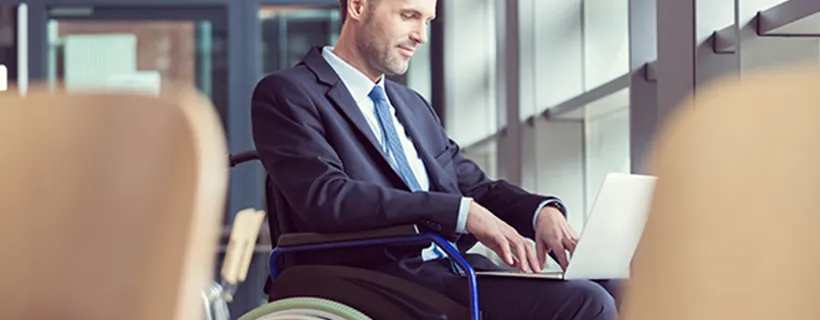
610	237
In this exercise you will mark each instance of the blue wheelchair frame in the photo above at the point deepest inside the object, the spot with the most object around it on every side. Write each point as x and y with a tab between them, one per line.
451	252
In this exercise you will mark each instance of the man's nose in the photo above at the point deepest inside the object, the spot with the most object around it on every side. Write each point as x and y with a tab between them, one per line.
420	34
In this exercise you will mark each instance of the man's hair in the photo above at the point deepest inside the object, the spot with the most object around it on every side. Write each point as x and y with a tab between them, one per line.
343	10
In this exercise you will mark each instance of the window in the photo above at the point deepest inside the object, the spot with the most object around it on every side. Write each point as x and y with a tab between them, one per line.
113	48
288	33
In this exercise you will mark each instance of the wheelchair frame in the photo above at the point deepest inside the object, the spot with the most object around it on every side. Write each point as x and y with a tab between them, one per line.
451	251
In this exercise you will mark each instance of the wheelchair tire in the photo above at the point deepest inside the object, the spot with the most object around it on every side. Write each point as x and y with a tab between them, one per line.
304	308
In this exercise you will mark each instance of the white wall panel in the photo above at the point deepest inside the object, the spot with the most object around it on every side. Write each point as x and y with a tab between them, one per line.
90	60
469	61
765	52
558	51
606	149
606	41
419	76
713	15
559	156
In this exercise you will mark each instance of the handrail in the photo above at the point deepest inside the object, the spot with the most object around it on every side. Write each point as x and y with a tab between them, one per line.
242	157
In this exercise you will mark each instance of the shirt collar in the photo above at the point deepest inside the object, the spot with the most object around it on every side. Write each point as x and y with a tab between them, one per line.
356	82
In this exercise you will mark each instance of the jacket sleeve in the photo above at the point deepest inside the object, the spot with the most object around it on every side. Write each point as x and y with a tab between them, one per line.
510	203
290	138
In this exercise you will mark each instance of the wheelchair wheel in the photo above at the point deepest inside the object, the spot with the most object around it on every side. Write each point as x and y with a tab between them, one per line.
304	308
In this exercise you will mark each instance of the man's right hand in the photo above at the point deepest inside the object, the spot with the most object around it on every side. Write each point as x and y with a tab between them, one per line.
500	237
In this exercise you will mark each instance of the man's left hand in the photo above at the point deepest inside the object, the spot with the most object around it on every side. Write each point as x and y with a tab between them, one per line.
552	233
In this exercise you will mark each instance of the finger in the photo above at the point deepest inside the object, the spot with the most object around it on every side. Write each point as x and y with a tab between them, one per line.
503	249
571	233
534	263
560	254
570	245
541	252
521	252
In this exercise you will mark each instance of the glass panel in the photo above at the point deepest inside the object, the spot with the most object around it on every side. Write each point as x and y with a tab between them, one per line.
606	138
89	54
419	76
471	75
554	163
485	155
141	54
571	155
288	33
559	53
606	41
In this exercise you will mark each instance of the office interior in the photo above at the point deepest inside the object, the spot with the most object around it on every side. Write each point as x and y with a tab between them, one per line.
550	95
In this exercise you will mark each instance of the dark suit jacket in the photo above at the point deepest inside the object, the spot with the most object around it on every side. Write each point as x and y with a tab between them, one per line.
330	174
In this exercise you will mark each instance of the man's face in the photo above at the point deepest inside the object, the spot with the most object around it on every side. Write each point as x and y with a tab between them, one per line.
391	31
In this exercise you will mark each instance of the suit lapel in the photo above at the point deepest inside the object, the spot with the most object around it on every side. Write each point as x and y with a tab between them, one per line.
410	123
341	98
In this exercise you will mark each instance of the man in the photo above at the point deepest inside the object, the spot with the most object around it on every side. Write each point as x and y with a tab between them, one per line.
350	150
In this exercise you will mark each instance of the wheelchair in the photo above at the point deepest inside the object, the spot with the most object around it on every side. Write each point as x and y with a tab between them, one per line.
320	291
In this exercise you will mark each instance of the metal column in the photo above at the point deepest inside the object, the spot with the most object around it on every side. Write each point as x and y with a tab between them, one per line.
507	46
643	96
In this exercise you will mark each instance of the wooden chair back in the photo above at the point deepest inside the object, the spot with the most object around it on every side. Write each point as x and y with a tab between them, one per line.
733	230
111	204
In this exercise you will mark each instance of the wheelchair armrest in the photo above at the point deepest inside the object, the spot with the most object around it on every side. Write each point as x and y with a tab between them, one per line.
307	238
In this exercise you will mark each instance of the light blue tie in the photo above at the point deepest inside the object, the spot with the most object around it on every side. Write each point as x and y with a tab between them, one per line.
393	143
391	138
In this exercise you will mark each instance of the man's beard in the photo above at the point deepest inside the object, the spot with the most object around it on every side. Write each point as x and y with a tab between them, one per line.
381	58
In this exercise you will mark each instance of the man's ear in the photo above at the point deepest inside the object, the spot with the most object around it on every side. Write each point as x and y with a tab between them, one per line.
355	9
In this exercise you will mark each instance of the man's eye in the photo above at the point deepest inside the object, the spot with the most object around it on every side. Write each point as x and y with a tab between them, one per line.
407	16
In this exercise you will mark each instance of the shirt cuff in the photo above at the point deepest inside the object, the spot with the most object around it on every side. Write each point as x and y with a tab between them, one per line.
463	211
541	206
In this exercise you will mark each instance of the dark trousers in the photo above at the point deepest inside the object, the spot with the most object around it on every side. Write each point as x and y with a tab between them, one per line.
505	298
518	298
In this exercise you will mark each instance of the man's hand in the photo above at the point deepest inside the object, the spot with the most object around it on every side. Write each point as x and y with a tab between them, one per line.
501	238
553	233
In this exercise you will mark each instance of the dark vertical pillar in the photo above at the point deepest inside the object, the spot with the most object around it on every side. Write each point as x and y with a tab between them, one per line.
243	40
8	50
438	94
676	54
247	180
643	100
510	141
686	60
37	40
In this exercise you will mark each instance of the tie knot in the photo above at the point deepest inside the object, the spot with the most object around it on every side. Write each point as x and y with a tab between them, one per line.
377	94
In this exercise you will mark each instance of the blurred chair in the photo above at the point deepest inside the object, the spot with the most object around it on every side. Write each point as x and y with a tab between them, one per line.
111	204
733	231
